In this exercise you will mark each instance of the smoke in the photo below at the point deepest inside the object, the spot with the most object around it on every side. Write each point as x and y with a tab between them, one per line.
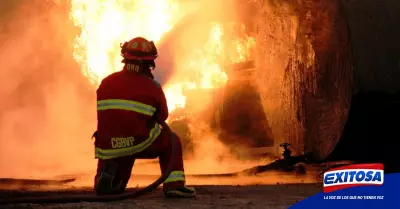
202	44
46	113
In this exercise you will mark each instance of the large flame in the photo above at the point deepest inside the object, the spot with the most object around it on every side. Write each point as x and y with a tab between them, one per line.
206	63
203	64
105	24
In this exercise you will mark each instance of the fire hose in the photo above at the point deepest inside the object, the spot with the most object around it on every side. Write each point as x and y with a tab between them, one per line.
105	198
276	165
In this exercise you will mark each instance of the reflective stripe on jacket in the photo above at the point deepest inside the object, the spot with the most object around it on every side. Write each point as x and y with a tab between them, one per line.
129	105
122	104
113	153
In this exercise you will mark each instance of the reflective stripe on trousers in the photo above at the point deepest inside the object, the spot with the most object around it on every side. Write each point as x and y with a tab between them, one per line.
113	153
175	176
121	104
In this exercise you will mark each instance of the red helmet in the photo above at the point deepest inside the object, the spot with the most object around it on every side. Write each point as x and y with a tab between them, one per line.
139	49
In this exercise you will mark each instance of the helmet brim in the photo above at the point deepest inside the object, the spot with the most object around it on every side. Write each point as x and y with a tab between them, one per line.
132	57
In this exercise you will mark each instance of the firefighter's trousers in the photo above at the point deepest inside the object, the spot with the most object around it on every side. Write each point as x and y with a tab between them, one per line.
161	148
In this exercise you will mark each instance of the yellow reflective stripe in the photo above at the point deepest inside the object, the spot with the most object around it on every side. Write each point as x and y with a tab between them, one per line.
113	153
122	104
175	176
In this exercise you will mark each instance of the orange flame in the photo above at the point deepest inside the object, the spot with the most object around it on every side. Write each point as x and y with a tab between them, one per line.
105	24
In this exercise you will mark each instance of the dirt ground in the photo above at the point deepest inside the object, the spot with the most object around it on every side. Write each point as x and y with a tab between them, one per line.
270	189
255	196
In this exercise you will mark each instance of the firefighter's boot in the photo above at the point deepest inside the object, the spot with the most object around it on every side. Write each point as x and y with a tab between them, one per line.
107	183
180	192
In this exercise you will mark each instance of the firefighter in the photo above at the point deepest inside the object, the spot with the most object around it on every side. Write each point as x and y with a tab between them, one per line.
129	104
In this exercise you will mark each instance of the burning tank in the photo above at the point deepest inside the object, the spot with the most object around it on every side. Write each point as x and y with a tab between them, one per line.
306	68
235	114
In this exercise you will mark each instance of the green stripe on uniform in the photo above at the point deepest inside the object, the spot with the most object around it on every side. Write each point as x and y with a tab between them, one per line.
121	104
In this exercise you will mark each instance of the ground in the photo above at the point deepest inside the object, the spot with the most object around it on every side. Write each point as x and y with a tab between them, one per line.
268	189
255	196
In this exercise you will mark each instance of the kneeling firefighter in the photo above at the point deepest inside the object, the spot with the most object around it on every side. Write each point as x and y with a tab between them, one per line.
129	104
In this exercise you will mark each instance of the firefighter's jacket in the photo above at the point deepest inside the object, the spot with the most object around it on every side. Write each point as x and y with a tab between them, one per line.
128	106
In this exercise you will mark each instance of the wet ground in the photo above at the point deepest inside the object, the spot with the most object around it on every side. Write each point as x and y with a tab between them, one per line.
213	196
271	189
